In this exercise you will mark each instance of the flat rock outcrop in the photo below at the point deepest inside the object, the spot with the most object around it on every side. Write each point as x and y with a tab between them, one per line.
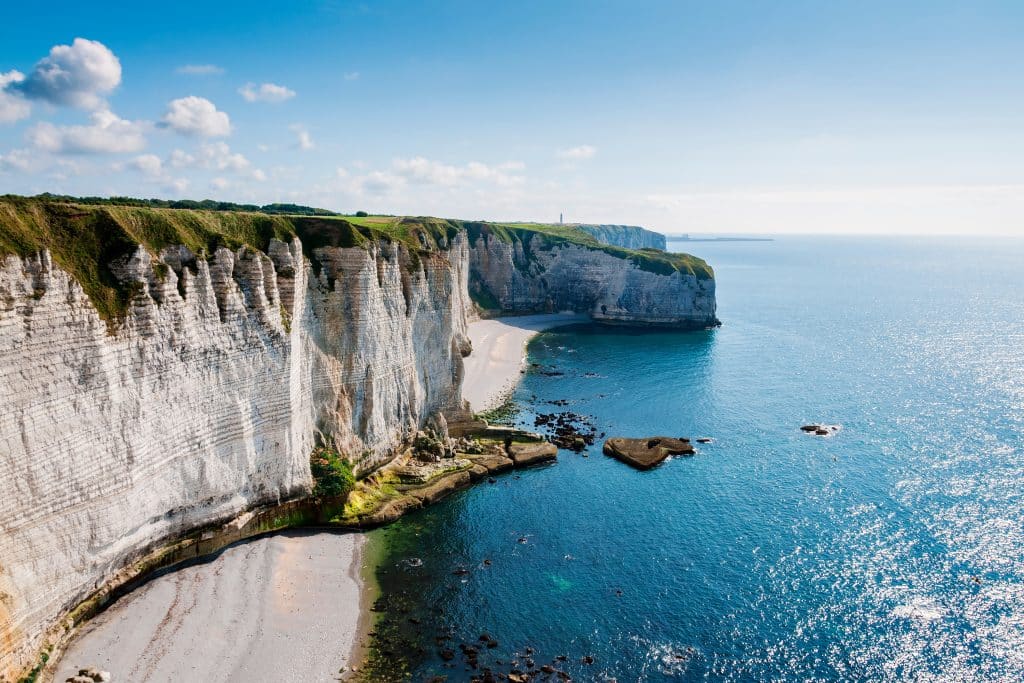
643	454
524	454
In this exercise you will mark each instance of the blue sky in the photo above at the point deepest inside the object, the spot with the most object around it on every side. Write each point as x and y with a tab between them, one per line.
878	117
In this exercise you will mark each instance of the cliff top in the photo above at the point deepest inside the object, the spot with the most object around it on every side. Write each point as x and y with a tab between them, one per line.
85	236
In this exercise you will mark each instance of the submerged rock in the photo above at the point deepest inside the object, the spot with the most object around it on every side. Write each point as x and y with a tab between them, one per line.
644	454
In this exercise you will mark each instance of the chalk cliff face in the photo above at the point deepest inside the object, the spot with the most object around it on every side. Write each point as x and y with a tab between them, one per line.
206	402
206	399
536	275
628	236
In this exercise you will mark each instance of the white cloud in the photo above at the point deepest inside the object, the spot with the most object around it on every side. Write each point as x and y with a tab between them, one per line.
176	185
427	172
108	133
351	76
266	92
303	140
219	183
378	182
216	156
219	157
580	153
16	160
475	177
199	70
78	75
148	164
66	168
181	159
197	116
13	107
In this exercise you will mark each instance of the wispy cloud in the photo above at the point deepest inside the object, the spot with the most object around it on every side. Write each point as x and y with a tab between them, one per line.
265	92
200	70
13	107
428	172
106	134
580	153
303	140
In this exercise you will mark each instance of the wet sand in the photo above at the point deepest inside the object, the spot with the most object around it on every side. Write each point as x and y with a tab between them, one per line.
279	608
492	370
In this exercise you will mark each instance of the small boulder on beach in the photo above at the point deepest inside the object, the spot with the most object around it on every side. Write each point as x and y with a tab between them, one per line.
643	454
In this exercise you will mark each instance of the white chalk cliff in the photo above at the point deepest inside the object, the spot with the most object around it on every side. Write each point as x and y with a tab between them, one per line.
535	276
207	398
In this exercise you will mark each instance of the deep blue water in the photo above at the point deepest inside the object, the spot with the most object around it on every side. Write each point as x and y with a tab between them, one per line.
891	551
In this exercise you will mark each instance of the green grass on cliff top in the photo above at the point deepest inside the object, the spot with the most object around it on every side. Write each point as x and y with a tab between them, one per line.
84	238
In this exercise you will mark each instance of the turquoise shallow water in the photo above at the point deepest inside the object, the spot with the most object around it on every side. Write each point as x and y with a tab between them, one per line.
892	551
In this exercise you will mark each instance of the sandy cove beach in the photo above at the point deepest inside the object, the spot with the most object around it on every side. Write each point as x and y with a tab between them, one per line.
492	370
290	606
278	608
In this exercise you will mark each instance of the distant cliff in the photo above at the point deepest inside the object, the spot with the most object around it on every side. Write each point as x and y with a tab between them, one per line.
628	236
523	269
163	370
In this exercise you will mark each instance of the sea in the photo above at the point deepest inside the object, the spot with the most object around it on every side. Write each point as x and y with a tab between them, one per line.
891	550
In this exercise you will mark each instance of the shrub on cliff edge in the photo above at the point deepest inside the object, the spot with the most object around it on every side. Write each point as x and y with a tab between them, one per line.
332	475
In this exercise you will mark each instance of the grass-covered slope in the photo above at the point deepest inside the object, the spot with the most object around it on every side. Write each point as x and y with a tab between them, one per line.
84	237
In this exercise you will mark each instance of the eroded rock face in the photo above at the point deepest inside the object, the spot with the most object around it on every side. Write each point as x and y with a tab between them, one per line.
540	278
628	236
206	402
648	452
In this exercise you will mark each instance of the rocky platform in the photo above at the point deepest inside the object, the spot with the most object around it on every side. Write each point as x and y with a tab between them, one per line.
643	454
406	485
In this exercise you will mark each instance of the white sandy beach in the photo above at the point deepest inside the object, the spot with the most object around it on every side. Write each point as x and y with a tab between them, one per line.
279	608
492	370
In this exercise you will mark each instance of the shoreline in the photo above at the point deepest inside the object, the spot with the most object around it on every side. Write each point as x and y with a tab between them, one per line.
499	350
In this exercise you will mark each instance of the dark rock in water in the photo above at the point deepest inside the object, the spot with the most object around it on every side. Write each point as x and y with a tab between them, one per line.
587	660
820	429
447	654
704	439
644	454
